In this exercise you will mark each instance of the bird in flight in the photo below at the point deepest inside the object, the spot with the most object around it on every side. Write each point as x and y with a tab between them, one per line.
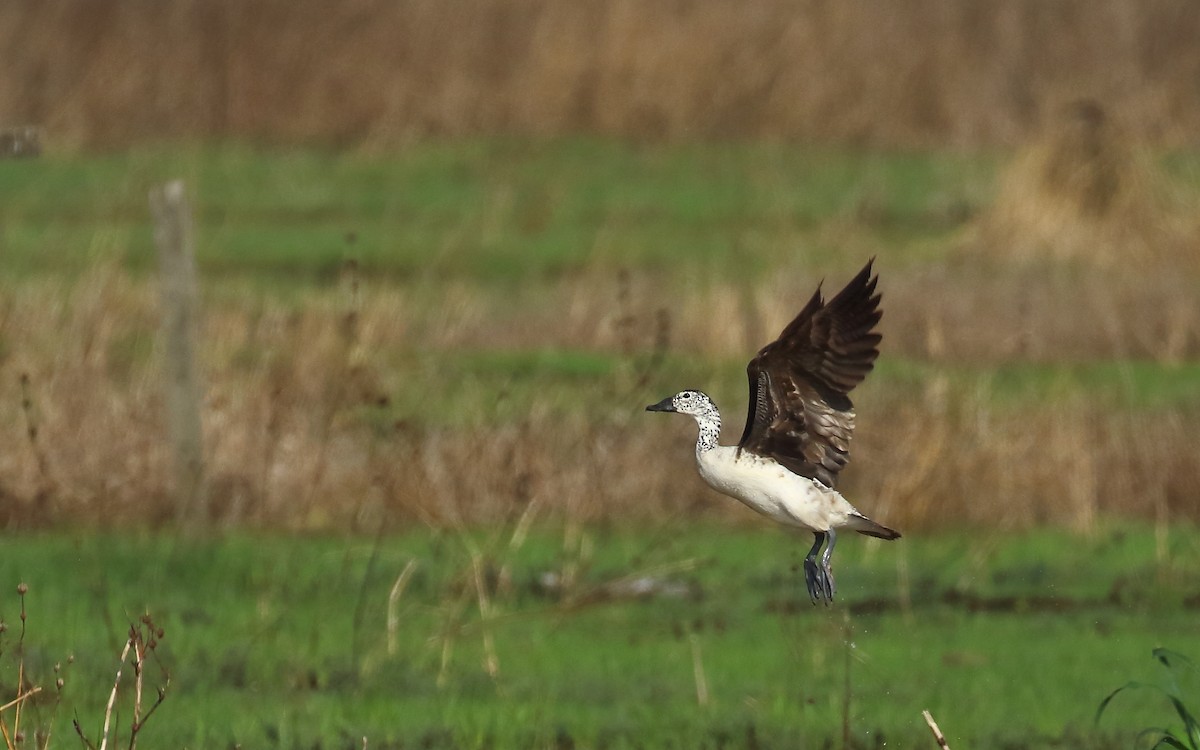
799	425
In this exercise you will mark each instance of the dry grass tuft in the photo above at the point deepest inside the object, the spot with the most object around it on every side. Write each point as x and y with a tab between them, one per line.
305	428
984	311
1067	465
1083	191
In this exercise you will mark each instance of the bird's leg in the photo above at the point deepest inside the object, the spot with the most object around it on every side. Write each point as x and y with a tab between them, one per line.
812	573
826	570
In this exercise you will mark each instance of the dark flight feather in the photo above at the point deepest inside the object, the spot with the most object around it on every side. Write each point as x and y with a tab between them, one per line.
799	412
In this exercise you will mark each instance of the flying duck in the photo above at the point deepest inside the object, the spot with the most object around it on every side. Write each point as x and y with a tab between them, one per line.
800	420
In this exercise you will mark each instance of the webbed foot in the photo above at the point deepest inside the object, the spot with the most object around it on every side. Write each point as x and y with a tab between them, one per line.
818	576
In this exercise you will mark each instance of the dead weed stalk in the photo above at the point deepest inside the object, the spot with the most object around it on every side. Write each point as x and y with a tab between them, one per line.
144	637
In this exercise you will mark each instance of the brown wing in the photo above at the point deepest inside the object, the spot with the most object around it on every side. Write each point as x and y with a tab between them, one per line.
800	413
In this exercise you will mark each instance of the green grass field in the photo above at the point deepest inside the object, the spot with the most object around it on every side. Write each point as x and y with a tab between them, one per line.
473	258
1011	641
505	212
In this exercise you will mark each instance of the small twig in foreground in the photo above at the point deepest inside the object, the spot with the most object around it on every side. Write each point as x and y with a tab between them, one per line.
491	662
698	670
22	590
393	616
937	733
142	641
112	696
21	698
14	737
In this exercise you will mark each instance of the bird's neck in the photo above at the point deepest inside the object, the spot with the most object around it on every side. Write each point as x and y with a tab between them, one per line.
710	430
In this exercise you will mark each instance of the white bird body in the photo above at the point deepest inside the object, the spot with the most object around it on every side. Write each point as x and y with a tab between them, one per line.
767	487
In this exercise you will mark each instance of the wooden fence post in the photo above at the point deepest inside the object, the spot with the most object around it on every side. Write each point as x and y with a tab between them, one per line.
173	236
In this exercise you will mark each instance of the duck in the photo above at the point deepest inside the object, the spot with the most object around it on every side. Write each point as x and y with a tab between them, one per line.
799	424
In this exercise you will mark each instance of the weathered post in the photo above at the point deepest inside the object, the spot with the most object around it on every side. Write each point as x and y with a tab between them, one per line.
173	236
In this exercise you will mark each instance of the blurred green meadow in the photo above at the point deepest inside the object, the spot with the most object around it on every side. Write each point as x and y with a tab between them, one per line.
447	252
503	211
424	354
688	635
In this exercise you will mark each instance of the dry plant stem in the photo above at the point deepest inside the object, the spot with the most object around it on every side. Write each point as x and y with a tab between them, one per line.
451	629
454	613
444	668
21	589
491	662
393	615
21	698
519	535
112	696
937	733
8	741
698	671
139	656
572	544
19	703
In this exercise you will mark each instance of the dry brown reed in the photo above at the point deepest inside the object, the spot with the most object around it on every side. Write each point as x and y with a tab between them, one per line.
938	737
27	704
979	310
140	647
927	72
1084	191
301	430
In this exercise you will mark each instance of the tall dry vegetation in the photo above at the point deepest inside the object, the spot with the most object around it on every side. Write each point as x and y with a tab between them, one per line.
927	72
301	433
1085	190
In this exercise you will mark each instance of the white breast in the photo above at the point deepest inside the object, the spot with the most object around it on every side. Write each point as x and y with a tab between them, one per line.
769	488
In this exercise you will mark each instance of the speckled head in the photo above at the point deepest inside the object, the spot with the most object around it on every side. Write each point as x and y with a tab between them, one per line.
700	407
696	403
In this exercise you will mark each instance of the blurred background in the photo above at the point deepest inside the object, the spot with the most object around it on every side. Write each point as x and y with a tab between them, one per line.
932	74
446	252
496	222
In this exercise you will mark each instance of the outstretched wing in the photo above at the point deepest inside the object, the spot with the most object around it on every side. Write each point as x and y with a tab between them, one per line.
800	413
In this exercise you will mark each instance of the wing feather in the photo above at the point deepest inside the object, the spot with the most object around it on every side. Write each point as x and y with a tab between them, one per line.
799	411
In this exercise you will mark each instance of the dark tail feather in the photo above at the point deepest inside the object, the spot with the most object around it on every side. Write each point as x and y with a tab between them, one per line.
864	525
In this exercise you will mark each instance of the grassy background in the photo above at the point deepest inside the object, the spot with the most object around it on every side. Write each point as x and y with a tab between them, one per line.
436	295
370	320
1010	640
374	324
491	210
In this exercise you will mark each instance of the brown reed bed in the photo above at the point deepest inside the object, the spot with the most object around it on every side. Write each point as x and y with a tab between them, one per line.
1085	190
356	410
923	73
